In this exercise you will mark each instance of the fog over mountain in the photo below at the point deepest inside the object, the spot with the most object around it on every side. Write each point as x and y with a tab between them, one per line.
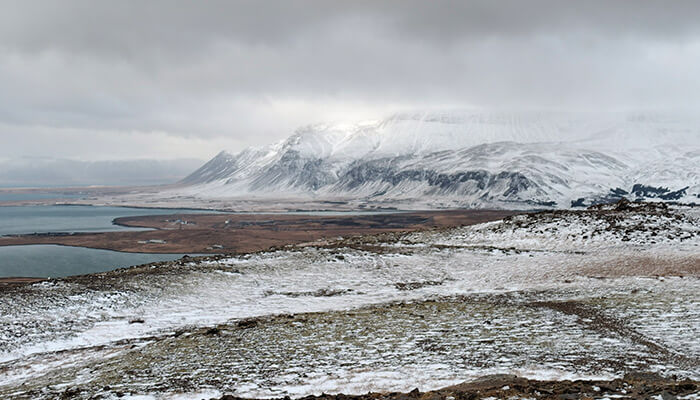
50	172
177	79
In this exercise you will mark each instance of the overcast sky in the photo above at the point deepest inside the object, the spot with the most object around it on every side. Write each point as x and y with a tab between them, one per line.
96	80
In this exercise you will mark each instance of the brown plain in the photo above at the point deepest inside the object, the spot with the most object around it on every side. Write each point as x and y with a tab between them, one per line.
242	233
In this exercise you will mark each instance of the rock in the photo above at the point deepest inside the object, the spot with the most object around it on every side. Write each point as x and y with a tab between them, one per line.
667	396
247	323
569	396
496	381
643	377
213	331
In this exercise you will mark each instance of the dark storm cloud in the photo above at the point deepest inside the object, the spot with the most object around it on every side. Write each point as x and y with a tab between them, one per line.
133	27
244	72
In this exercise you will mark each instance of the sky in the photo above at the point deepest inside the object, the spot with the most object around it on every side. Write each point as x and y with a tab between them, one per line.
114	80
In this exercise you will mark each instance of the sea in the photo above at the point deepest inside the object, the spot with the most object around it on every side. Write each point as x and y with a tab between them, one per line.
54	261
59	261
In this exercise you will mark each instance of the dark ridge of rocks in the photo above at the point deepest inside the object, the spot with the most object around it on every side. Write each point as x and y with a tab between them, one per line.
416	285
645	191
639	192
626	220
509	184
315	293
626	205
640	385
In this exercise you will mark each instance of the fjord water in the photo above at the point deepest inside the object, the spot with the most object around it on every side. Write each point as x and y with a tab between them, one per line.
57	261
33	219
50	261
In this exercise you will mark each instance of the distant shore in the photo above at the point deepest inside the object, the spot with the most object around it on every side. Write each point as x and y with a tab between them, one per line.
19	281
240	233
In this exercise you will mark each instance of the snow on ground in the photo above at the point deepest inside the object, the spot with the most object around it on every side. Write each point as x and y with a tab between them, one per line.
560	294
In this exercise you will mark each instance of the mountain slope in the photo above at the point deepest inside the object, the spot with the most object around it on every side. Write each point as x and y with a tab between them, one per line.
474	159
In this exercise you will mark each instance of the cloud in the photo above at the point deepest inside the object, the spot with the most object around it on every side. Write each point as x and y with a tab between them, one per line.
42	172
196	75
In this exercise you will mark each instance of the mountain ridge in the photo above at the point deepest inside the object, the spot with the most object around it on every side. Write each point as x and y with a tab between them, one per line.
474	159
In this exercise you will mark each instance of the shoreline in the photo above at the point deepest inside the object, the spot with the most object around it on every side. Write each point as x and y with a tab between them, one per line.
218	233
20	280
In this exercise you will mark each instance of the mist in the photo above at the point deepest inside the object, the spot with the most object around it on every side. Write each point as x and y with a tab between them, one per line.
94	81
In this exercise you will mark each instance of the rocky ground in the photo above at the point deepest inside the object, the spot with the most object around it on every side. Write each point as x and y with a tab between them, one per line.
575	303
631	386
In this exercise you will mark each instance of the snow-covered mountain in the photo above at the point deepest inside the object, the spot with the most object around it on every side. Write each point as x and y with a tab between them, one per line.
472	159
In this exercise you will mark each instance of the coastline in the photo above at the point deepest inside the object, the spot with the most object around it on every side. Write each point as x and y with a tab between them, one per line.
244	233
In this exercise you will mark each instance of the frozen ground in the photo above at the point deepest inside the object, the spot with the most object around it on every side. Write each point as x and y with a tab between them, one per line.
554	295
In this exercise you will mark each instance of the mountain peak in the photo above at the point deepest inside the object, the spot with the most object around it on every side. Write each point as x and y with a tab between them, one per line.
469	158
